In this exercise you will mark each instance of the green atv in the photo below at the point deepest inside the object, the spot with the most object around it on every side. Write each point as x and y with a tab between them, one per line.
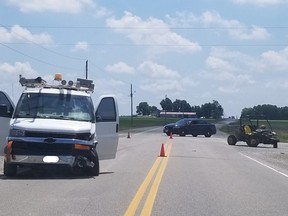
253	131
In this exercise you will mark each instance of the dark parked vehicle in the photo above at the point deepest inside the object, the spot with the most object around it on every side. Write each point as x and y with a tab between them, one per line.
191	126
253	130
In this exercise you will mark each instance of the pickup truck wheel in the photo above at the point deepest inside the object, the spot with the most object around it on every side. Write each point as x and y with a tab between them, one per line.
10	170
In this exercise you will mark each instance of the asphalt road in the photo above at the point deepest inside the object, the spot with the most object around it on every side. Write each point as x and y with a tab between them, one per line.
198	176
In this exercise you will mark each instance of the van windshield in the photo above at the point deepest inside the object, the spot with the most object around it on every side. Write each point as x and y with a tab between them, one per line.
55	106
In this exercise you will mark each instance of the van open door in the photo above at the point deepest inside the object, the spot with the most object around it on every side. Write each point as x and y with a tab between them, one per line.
6	111
107	126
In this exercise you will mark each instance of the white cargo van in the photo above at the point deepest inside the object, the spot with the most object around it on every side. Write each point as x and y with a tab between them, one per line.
57	125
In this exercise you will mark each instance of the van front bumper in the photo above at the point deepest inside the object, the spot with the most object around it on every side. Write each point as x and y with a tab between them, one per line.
36	159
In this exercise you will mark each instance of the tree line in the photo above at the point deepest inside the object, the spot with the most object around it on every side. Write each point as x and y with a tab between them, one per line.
270	111
208	110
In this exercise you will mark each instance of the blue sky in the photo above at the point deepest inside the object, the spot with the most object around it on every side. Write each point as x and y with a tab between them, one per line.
232	51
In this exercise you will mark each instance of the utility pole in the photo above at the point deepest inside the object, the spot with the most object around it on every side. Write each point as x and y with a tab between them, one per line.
86	69
165	108
131	95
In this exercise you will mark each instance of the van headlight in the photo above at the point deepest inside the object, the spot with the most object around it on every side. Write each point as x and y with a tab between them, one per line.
16	133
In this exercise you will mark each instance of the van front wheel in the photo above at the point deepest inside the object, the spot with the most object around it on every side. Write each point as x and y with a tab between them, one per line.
94	171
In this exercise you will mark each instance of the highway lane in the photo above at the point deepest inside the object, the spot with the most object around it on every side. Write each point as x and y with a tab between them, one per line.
202	176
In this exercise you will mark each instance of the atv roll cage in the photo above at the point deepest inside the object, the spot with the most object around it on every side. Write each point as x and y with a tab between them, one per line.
254	130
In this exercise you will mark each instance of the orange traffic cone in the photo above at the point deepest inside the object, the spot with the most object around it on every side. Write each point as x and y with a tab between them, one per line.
171	135
162	151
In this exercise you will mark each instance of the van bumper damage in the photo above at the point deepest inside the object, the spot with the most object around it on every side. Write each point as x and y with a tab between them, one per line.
34	152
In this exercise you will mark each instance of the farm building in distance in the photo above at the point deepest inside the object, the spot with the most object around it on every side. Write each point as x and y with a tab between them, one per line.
164	114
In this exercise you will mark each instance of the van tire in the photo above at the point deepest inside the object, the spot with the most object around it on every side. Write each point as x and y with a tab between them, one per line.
94	171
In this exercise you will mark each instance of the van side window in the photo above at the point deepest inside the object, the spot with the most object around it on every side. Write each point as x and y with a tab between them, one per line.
5	106
106	111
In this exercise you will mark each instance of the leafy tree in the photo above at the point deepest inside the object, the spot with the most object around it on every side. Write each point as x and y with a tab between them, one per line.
206	110
212	110
197	110
270	111
143	109
247	111
166	104
153	109
217	110
181	106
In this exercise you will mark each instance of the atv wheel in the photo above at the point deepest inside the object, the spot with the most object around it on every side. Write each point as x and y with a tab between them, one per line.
232	140
253	142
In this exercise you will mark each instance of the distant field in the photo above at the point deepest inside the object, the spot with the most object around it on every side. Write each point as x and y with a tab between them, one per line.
138	122
279	126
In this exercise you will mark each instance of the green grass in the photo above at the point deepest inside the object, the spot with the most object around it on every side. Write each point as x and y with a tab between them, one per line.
138	122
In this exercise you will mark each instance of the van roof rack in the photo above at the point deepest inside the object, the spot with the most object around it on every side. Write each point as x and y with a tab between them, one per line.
79	85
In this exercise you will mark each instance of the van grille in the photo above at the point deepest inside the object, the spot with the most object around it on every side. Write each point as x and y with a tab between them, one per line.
80	136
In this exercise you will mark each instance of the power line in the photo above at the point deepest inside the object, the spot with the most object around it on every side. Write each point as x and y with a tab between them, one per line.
39	45
39	60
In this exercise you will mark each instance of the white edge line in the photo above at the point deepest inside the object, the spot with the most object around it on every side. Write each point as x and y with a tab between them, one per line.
281	173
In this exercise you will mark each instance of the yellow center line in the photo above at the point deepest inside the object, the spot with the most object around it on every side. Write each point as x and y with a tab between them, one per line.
131	210
147	209
138	196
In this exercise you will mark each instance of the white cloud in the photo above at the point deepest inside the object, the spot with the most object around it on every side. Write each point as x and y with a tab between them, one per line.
234	27
155	70
159	78
213	20
120	67
230	71
80	46
12	72
161	86
102	12
261	2
20	34
60	6
152	32
276	60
